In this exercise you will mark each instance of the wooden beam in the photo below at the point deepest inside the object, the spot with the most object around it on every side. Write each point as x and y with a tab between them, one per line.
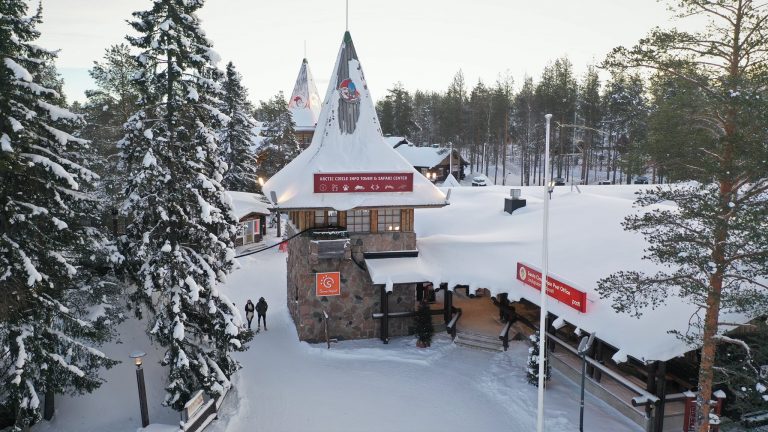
385	317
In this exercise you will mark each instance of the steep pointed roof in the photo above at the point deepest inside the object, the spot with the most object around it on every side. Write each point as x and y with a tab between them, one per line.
348	140
305	100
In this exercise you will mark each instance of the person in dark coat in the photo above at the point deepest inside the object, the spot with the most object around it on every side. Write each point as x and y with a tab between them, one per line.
261	309
249	308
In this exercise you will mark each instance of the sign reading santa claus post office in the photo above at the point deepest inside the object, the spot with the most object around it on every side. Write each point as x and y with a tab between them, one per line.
556	289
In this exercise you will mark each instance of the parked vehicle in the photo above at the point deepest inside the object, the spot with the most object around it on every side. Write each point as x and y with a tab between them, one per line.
605	182
641	180
559	181
480	180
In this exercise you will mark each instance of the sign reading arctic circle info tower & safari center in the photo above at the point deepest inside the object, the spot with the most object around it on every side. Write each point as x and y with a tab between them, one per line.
363	182
556	289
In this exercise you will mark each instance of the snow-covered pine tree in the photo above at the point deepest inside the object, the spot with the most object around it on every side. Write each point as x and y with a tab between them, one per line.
280	144
742	371
237	137
532	368
179	237
54	310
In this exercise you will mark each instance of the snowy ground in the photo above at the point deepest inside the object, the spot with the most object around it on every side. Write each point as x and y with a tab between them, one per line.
287	385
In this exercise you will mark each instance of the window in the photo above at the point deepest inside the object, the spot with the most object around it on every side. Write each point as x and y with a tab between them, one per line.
359	221
246	232
323	218
389	220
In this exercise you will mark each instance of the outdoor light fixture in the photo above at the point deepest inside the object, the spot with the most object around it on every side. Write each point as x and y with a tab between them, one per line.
261	181
137	357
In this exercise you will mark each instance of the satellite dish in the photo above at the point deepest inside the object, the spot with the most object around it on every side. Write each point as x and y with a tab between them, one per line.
273	196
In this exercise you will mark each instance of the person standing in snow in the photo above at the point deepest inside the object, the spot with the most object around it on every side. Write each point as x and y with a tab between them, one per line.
249	308
261	309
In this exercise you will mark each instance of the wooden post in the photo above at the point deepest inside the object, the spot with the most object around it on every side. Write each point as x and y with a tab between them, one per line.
550	329
447	305
49	405
419	292
598	375
279	234
661	390
591	353
385	318
650	385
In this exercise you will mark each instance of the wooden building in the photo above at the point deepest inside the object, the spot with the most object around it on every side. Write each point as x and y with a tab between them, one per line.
434	162
350	199
251	211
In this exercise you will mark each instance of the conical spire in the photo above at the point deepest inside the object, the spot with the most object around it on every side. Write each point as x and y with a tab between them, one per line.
305	100
348	142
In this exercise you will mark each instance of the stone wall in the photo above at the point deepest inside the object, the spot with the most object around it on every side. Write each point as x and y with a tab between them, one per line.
350	314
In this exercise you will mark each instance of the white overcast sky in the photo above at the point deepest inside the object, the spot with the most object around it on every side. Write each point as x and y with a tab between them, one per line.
421	43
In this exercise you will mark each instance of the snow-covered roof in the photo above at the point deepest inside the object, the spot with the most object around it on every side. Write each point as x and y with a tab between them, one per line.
348	140
423	156
245	203
474	242
305	100
450	181
393	141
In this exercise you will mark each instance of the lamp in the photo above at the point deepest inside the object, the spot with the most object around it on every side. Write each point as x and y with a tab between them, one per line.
261	181
137	357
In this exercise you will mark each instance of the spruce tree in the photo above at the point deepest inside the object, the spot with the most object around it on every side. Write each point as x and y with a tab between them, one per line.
532	368
280	144
55	301
237	136
179	236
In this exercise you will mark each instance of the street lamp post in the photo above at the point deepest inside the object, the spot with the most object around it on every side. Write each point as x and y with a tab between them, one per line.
584	345
543	298
137	360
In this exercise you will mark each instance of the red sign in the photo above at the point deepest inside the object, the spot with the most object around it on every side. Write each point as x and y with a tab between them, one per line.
328	284
363	182
691	411
689	420
556	289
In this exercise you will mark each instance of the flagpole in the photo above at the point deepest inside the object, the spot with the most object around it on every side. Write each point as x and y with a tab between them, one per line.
543	298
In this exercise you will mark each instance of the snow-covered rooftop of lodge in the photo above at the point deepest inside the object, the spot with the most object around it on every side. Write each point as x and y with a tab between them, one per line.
474	242
392	141
348	140
245	203
304	103
423	156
